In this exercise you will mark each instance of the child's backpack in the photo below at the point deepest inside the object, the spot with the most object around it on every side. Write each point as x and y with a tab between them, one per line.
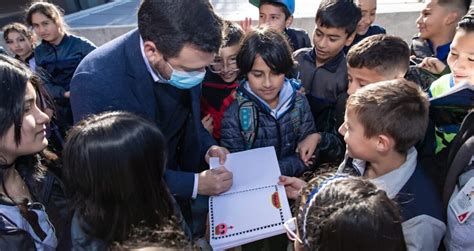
461	152
461	169
248	117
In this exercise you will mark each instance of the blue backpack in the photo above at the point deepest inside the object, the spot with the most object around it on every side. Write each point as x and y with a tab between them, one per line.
248	116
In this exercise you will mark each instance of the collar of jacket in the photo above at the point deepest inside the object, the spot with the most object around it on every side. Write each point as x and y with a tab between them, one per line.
242	89
63	41
331	65
442	51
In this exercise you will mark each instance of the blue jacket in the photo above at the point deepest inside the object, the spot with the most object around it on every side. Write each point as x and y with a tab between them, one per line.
278	132
61	60
115	77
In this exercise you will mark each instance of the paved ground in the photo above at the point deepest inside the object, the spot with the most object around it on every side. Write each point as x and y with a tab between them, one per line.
123	12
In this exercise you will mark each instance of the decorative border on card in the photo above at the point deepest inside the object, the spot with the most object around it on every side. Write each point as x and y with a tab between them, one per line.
211	216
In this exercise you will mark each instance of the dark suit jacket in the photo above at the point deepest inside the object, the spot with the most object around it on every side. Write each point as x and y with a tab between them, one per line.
115	77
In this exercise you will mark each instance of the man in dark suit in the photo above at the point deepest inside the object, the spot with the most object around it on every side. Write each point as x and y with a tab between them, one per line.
156	72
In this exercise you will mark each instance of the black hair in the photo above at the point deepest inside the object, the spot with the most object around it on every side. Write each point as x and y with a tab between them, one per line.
467	22
271	45
14	77
283	7
338	14
339	212
232	34
383	53
172	24
113	166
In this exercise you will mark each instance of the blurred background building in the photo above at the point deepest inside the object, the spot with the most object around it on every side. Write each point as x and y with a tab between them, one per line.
13	10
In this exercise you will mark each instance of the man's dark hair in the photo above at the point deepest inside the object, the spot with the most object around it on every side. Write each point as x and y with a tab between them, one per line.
171	24
383	53
269	44
338	14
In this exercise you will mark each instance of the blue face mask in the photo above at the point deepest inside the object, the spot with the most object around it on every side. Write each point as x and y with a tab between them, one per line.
185	80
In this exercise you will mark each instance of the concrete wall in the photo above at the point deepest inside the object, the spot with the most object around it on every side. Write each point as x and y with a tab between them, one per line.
396	23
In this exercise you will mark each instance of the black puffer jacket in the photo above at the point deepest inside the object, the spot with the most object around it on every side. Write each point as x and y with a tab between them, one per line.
47	189
279	133
61	60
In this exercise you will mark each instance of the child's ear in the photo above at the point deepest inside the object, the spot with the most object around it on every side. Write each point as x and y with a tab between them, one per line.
151	52
289	21
384	143
452	18
350	38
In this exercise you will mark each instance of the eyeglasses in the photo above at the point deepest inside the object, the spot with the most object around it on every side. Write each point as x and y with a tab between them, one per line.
219	65
290	227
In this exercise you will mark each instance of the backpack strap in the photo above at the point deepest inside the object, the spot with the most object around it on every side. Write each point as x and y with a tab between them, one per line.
248	118
296	115
460	154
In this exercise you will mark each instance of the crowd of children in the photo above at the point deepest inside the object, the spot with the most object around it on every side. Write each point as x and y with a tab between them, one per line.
116	179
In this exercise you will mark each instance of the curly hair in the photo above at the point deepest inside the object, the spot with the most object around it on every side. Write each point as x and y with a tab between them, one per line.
341	212
167	236
20	28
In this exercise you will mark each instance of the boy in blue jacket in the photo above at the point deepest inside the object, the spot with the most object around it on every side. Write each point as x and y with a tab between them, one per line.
268	110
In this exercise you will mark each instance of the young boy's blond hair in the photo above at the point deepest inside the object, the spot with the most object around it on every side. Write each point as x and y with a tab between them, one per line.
397	108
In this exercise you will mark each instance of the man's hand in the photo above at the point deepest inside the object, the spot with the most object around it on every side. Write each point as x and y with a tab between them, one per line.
307	146
432	65
217	151
292	185
214	181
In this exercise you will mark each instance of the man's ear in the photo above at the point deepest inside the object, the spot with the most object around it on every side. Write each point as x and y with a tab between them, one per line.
151	52
350	38
384	143
289	21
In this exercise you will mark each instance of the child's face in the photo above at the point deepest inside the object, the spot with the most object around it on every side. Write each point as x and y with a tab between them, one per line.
368	8
431	22
273	17
328	42
46	28
33	130
19	44
264	82
461	57
358	145
225	64
360	77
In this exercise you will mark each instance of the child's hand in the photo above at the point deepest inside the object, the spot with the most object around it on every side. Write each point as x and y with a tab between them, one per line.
432	65
207	122
292	185
307	146
302	90
246	25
